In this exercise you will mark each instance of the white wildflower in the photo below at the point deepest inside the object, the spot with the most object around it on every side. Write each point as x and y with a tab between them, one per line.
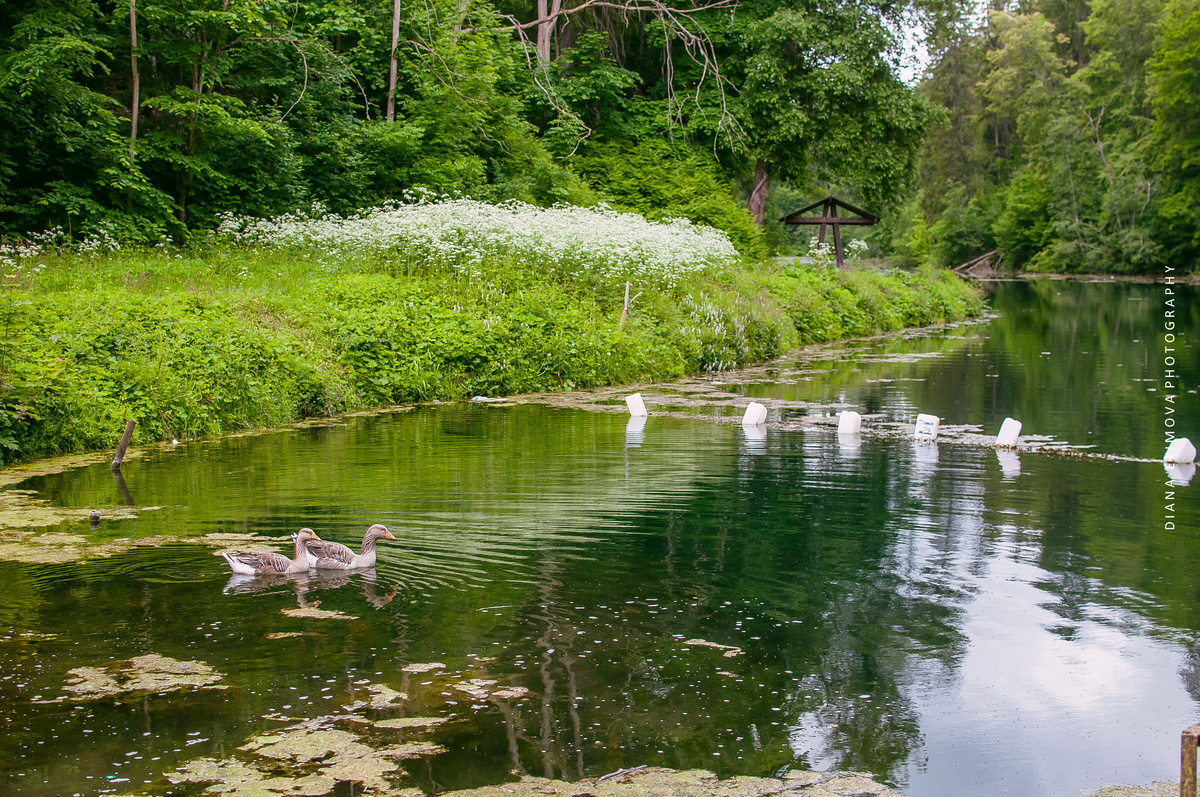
466	234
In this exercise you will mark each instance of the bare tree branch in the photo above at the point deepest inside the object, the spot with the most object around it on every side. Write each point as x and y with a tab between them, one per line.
295	43
678	25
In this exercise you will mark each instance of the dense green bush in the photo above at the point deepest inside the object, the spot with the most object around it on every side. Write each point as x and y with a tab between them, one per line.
827	305
661	181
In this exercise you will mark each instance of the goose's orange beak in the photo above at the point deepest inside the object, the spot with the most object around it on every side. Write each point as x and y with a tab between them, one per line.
387	535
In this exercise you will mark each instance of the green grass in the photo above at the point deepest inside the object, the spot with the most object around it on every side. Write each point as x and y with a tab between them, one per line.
208	342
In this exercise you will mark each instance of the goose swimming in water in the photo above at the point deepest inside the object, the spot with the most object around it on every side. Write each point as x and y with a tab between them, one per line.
257	563
328	555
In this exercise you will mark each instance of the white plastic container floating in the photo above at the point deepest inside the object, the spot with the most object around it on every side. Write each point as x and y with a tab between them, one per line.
927	427
636	405
1181	451
1010	430
756	414
849	422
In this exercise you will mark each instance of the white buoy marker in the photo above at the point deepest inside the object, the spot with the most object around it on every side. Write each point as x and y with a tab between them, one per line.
636	405
1181	451
849	422
756	414
1010	430
927	427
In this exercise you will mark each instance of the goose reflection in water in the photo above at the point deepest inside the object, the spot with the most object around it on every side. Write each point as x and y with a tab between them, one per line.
305	584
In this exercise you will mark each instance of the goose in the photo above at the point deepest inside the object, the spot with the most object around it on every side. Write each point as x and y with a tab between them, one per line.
327	555
257	563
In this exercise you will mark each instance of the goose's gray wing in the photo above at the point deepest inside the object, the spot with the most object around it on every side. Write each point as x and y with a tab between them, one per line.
327	563
262	561
328	551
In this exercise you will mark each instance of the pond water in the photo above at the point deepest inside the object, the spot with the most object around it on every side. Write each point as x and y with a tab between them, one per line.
952	620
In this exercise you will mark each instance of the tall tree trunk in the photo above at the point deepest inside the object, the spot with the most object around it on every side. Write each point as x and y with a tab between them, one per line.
758	194
1112	183
456	28
133	105
547	20
391	105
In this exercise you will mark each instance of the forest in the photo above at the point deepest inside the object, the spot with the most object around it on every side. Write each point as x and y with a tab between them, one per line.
1062	133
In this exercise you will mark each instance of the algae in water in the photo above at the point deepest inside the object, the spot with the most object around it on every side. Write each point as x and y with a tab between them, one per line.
149	673
429	667
730	650
319	614
410	722
304	759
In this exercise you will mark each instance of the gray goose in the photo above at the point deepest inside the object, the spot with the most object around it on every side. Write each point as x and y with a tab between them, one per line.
258	563
327	555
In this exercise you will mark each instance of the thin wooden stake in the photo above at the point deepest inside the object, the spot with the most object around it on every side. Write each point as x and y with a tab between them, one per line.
125	438
1187	761
135	103
628	302
391	100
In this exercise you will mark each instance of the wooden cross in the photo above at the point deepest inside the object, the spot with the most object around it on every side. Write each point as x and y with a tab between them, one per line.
829	216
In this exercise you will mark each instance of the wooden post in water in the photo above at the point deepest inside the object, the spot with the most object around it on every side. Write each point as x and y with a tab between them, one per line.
124	444
1187	760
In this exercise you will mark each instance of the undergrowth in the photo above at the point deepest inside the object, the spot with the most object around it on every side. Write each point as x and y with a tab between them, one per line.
218	340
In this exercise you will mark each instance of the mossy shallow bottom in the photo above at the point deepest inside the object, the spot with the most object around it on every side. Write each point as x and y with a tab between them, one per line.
1158	788
660	782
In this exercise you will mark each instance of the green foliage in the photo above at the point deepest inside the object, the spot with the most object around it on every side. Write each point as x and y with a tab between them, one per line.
819	97
226	339
827	305
1069	154
962	232
259	107
659	181
23	378
1175	71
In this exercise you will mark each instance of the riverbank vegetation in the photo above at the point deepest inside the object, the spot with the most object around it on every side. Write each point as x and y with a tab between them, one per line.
261	325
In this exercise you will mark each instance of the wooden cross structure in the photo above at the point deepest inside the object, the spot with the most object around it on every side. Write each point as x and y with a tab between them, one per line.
829	217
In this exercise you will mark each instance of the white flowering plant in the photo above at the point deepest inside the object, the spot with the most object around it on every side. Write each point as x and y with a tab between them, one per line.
465	234
824	256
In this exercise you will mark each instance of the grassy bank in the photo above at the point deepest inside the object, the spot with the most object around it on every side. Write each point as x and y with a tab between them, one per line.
241	333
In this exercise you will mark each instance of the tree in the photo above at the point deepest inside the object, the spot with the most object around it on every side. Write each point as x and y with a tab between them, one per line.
818	97
1175	75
